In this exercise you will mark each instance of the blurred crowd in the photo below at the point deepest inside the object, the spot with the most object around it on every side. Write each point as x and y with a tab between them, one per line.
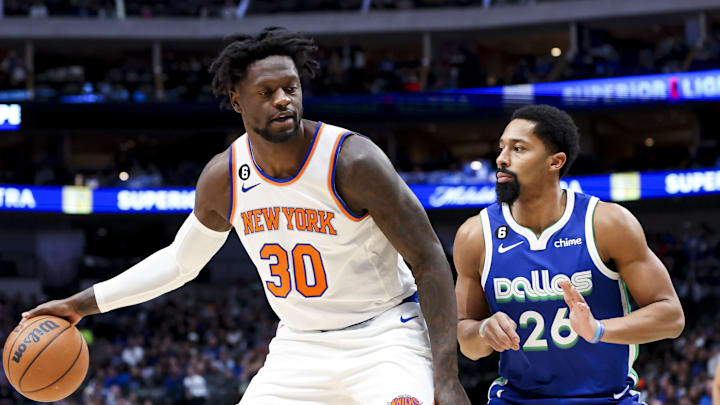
203	344
680	372
355	69
227	9
350	70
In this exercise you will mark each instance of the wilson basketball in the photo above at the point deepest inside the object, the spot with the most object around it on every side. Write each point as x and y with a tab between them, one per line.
45	358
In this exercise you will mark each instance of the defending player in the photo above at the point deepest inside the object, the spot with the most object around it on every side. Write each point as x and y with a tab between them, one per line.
325	218
544	275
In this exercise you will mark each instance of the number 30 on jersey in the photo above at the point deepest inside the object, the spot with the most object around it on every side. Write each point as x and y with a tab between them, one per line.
303	256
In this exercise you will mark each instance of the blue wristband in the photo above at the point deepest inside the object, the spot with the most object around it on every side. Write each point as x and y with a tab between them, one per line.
599	332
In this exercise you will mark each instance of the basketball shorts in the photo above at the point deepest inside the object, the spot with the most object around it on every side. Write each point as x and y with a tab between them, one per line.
385	360
500	394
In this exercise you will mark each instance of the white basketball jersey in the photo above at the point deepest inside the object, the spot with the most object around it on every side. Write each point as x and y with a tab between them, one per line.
322	267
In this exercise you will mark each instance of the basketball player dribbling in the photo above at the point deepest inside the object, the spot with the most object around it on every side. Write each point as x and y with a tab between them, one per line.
327	222
544	275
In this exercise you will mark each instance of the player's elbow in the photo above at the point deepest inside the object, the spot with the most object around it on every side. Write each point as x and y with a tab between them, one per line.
677	320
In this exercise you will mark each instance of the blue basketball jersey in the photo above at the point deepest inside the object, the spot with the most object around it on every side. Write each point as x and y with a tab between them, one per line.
520	278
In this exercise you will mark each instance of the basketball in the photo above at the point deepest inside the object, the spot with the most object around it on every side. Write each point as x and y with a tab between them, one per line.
45	358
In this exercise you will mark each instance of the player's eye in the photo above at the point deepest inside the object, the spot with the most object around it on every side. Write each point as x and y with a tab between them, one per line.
519	148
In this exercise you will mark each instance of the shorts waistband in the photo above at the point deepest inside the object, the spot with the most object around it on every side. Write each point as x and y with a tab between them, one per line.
412	298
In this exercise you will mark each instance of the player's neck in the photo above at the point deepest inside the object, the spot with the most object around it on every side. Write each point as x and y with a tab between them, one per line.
540	210
283	160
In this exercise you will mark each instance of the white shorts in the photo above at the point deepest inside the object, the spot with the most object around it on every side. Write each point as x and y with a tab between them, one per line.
372	363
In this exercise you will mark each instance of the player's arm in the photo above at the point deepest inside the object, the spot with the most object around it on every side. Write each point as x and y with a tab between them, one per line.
367	182
199	238
479	333
620	239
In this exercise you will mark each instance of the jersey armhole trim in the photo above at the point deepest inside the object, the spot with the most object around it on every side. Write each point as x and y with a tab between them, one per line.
331	181
487	236
591	245
232	168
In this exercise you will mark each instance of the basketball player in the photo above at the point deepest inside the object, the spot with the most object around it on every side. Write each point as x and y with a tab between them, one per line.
544	275
327	222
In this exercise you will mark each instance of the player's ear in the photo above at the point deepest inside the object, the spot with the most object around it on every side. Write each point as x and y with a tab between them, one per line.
556	161
235	100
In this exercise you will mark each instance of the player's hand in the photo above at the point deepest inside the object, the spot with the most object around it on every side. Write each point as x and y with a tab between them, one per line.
60	308
450	392
581	318
499	331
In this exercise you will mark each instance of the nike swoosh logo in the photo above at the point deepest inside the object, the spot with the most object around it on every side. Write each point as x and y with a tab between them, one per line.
245	190
403	320
617	396
503	249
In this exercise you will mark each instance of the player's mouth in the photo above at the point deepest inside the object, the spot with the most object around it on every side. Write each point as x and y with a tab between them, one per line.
504	177
283	118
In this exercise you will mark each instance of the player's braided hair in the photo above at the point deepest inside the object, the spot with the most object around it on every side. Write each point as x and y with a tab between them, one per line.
232	63
555	128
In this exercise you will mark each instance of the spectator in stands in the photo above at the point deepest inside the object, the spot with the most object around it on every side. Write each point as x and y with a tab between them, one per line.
12	71
228	10
38	10
195	385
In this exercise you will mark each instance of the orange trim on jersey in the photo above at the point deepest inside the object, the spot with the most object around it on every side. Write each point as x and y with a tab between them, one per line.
291	180
331	185
233	187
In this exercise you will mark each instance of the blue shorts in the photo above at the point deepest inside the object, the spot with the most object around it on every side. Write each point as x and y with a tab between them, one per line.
504	395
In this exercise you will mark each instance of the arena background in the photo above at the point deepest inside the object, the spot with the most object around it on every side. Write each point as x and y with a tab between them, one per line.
108	118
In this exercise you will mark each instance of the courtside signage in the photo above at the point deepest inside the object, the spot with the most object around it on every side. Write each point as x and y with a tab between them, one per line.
30	198
664	88
10	117
110	200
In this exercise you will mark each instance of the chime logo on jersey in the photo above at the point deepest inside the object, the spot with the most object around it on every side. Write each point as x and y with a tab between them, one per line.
540	287
566	242
300	219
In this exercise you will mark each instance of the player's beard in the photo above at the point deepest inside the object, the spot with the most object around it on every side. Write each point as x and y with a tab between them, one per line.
279	137
507	192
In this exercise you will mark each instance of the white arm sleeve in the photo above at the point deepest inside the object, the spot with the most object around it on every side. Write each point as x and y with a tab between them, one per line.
163	271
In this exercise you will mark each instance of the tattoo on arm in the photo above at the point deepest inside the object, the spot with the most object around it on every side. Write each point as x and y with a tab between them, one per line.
366	180
437	303
85	303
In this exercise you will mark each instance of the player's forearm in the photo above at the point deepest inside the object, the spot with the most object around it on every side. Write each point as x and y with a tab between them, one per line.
471	344
716	392
437	300
156	275
163	271
659	320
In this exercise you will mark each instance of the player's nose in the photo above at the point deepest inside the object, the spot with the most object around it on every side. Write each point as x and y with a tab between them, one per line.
503	159
282	99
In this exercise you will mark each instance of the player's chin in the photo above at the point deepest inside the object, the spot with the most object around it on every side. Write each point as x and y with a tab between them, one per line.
276	136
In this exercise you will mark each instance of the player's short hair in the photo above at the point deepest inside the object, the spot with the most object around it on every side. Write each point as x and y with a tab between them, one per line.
555	128
232	63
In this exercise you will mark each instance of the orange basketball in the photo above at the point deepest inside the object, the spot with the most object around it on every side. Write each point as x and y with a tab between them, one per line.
45	358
